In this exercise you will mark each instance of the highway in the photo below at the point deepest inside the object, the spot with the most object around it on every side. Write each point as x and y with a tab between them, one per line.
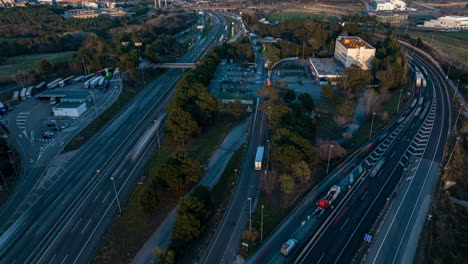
339	233
423	141
66	223
226	240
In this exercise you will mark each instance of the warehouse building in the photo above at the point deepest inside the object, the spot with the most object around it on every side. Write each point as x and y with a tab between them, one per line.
69	109
448	22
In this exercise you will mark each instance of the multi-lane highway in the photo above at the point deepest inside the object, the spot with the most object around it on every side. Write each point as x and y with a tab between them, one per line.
410	146
67	221
225	242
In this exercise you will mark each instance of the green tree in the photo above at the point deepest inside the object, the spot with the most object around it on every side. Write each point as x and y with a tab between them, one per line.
327	93
190	169
355	80
149	200
419	42
287	183
288	95
307	102
163	256
287	155
236	109
277	113
271	54
301	171
344	114
44	66
190	220
181	125
170	175
208	107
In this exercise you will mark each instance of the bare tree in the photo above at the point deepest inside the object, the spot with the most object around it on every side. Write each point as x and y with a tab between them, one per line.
370	101
324	149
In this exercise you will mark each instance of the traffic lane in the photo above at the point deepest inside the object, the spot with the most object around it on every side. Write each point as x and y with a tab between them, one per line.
404	211
235	219
85	226
377	185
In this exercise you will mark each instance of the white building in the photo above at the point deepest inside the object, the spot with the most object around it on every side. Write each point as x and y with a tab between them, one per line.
387	5
69	109
354	50
448	22
90	5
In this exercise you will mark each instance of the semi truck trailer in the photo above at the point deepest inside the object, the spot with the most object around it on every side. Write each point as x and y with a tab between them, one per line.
259	158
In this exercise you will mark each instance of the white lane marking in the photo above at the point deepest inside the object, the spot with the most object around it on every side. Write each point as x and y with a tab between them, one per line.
76	225
97	196
63	261
52	259
84	229
320	259
344	224
364	195
105	198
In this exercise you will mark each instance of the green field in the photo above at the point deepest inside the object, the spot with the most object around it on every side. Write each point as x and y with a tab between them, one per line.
453	45
300	16
27	62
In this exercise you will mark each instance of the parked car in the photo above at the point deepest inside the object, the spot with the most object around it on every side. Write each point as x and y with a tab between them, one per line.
5	137
48	134
3	122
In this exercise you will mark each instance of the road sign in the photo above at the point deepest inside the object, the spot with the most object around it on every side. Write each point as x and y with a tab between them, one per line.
367	238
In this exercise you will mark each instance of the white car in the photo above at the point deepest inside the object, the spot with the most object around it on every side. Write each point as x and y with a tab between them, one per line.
5	137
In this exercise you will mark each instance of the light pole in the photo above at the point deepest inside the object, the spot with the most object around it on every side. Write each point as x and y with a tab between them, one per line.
268	153
399	99
116	195
451	154
250	214
458	115
157	134
372	124
95	105
58	131
329	155
454	94
261	225
448	71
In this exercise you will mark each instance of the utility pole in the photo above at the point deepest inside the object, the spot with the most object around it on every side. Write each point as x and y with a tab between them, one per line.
399	99
261	225
448	71
84	66
329	155
303	50
456	120
250	214
372	124
451	154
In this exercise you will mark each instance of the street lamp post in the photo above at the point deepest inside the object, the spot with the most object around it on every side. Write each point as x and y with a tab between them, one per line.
250	214
58	131
95	105
448	71
399	100
458	115
451	154
261	225
329	155
454	94
116	195
268	153
372	124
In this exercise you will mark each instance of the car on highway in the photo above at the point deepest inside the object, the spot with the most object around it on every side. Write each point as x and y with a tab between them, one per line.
287	247
64	125
48	134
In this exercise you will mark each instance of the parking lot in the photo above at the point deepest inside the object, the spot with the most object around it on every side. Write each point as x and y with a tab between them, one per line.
236	78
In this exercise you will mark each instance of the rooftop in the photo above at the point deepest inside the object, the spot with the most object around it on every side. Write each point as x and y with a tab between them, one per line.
67	105
68	95
327	67
351	42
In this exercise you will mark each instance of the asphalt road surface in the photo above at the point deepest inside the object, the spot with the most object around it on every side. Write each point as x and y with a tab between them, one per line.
67	221
338	240
226	240
411	158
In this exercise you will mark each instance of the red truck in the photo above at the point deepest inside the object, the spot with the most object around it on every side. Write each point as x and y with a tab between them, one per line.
324	203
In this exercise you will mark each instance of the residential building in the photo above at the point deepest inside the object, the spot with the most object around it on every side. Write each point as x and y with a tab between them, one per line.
353	50
387	5
448	22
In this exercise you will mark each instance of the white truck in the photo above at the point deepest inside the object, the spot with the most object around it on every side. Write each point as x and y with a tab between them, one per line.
66	81
288	246
54	84
23	94
259	158
29	92
94	84
87	84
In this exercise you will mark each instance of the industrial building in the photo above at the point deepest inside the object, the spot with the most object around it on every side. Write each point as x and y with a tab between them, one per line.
387	5
69	109
327	70
81	13
67	96
354	50
448	22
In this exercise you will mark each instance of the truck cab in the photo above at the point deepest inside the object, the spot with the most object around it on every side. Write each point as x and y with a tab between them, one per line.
288	246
